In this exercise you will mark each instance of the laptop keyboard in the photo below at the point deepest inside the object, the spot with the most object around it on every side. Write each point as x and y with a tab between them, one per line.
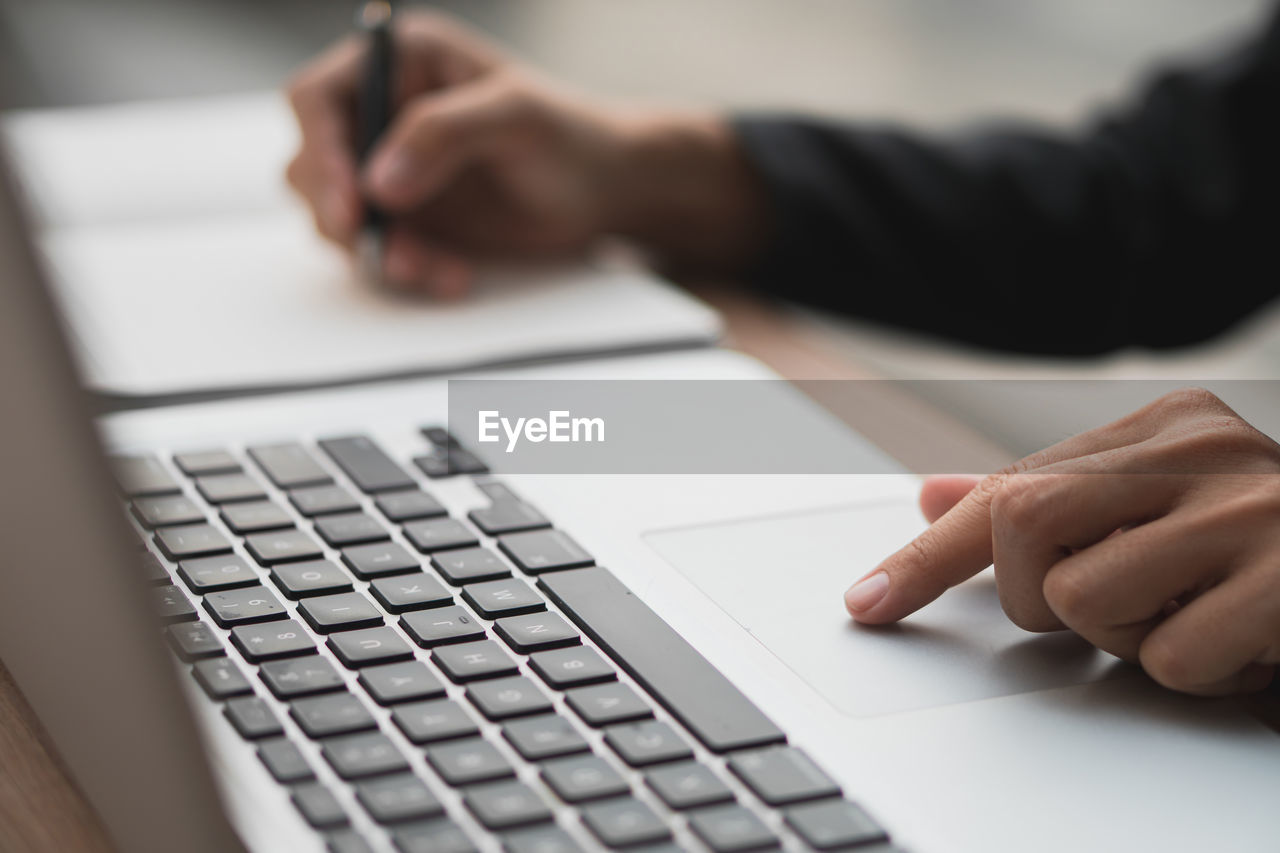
483	684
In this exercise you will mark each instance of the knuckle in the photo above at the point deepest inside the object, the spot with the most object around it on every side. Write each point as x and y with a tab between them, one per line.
1191	399
1165	661
1070	596
1019	501
1026	615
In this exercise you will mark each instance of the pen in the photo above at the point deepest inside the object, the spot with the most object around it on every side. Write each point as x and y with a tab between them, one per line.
374	114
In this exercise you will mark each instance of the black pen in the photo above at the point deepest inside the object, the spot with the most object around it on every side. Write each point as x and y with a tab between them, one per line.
374	115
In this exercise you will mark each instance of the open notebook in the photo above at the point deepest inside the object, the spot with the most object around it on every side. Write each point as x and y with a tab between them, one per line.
184	266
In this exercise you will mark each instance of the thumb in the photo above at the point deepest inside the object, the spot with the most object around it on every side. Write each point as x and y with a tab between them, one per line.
941	492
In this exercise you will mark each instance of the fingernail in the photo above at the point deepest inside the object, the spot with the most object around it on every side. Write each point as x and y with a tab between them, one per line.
867	593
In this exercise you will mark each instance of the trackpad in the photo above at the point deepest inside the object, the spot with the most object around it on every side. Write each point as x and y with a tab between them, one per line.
782	579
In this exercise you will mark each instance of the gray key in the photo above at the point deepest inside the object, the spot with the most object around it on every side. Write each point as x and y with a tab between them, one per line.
400	682
441	625
688	786
397	799
507	517
152	569
367	466
383	558
577	780
439	534
429	722
306	676
252	718
729	829
285	761
322	500
606	704
229	488
255	517
541	551
834	825
417	591
503	698
220	678
353	528
244	606
624	823
546	839
369	646
166	511
574	667
345	611
273	640
143	476
194	640
282	546
469	565
346	841
470	661
535	632
335	714
547	736
507	805
197	462
648	743
289	465
171	605
192	540
362	755
436	836
495	599
408	506
469	761
319	806
783	776
210	574
313	577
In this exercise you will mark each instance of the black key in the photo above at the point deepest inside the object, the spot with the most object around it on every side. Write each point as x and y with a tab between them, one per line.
335	714
441	625
289	465
624	823
507	517
194	640
536	632
285	761
221	678
369	646
400	682
548	736
577	780
670	669
504	698
352	528
210	574
544	551
417	591
407	506
468	565
436	836
450	461
729	829
429	722
397	799
606	704
194	540
306	676
143	476
244	606
688	786
198	462
322	500
783	776
439	534
153	570
346	611
368	754
648	743
253	718
282	546
166	510
575	667
511	597
470	661
383	558
319	806
469	761
255	517
545	839
274	640
314	577
367	466
229	488
834	825
347	841
171	605
507	805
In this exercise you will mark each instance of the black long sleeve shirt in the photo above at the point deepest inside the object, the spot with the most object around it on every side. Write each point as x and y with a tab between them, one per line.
1157	225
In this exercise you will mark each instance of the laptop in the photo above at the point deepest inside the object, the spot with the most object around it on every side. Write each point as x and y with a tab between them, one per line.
317	621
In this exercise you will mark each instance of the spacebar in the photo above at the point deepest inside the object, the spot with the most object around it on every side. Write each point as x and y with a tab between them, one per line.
670	669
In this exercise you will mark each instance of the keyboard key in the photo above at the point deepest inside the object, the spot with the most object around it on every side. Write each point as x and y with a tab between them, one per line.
469	761
229	488
153	570
313	577
535	632
221	678
504	698
319	806
289	465
545	839
210	574
449	462
345	611
511	597
407	506
322	500
541	551
368	754
334	714
648	743
729	829
468	565
624	823
194	640
273	640
143	476
166	511
688	786
470	661
664	663
282	546
383	558
441	625
353	528
346	841
547	736
429	722
400	682
193	540
244	606
507	805
285	761
437	836
172	605
577	780
417	591
252	718
575	667
367	466
606	704
397	799
507	517
439	534
834	825
198	462
783	776
306	676
255	517
369	646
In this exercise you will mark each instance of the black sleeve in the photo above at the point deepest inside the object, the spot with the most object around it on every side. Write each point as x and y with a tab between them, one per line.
1158	225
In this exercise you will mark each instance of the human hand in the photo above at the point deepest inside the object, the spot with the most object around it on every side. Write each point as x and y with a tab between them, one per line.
1155	538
